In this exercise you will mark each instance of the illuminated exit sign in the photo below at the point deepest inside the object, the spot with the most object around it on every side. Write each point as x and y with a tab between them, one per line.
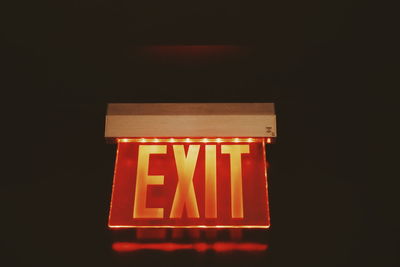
190	182
176	167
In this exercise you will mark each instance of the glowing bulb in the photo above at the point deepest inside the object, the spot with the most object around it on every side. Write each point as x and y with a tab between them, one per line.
250	140
172	140
156	140
236	140
124	140
187	140
268	140
219	140
142	140
205	140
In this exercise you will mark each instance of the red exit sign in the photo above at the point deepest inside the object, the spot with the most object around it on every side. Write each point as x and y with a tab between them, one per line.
190	182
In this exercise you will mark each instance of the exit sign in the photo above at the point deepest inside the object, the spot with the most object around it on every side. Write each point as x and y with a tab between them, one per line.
190	182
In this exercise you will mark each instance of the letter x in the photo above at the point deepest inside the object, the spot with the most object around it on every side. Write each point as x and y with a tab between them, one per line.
185	195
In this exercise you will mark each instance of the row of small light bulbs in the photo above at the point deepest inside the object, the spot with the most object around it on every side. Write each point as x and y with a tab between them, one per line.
189	140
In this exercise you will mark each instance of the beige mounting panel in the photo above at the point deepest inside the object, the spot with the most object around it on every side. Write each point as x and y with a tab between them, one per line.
190	120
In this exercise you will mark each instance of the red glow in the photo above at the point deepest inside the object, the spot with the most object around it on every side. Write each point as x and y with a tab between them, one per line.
227	182
192	140
200	247
187	54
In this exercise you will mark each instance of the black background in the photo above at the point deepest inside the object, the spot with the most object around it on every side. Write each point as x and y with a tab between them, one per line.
324	63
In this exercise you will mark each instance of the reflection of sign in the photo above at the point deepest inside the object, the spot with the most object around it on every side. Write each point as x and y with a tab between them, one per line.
190	183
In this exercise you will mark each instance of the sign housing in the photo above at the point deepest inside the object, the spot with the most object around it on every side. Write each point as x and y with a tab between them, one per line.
190	165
